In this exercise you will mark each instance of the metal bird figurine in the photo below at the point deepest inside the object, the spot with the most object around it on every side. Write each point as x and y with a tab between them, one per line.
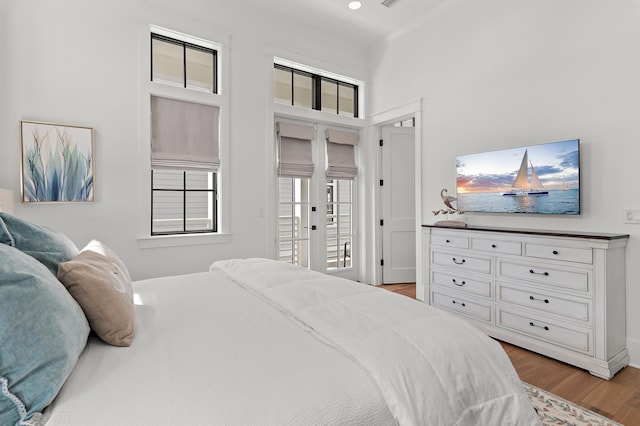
447	199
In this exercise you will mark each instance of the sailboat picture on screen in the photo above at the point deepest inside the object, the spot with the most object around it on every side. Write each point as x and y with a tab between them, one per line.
531	179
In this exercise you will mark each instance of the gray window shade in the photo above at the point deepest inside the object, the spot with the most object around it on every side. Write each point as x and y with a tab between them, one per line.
294	150
185	135
341	160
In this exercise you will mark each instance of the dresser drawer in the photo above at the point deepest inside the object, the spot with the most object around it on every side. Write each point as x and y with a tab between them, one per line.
497	246
478	286
575	338
566	254
462	305
462	262
453	241
574	279
540	300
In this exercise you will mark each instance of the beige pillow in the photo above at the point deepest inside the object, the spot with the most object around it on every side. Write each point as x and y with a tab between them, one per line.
101	285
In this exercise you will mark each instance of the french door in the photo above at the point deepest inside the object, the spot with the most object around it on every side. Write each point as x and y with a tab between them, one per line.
316	227
294	232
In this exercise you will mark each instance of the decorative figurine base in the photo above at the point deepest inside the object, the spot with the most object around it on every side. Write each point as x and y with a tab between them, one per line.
451	223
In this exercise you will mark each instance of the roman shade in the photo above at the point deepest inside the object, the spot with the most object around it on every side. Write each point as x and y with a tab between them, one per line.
184	135
341	159
294	150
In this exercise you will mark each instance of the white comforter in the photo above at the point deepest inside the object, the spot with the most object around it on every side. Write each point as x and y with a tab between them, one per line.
258	342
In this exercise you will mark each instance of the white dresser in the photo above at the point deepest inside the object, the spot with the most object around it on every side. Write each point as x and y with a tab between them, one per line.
561	294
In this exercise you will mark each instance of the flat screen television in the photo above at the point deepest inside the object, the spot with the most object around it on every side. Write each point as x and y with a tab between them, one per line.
541	179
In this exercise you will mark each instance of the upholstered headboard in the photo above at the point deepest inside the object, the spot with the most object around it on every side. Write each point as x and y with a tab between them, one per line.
6	201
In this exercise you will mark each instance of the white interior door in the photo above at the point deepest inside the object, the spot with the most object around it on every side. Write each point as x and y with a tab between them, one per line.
398	205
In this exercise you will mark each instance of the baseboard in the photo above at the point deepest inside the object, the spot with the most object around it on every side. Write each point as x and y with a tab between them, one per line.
633	346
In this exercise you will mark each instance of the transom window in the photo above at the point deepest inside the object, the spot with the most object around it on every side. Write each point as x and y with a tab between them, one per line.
308	90
184	64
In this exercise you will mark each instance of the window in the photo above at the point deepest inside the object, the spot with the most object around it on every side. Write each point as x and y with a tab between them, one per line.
308	90
183	64
185	132
183	202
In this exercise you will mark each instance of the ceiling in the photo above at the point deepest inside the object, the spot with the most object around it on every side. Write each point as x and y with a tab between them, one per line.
370	23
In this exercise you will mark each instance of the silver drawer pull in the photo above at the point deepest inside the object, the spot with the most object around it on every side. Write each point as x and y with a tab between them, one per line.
458	263
546	274
540	300
458	284
539	326
458	303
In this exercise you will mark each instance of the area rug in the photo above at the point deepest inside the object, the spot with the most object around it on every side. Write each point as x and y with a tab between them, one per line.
554	410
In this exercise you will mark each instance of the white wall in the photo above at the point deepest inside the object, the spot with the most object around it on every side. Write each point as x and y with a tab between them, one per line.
493	74
77	62
503	73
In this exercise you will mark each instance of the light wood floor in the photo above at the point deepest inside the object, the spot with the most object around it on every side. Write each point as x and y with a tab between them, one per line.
618	398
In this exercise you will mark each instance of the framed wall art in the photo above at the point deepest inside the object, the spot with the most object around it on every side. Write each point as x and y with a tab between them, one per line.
57	163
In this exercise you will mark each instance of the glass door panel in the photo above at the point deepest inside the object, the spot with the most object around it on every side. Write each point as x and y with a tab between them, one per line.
293	221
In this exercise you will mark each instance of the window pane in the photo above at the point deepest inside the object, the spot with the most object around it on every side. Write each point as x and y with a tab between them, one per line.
344	221
344	194
198	215
168	179
332	219
282	86
302	89
199	69
301	194
301	253
332	252
167	212
167	62
301	221
346	100
198	180
285	250
329	96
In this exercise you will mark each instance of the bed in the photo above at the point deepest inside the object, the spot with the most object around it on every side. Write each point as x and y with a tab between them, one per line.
260	342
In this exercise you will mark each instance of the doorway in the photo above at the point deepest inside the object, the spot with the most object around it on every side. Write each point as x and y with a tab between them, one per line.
398	203
316	209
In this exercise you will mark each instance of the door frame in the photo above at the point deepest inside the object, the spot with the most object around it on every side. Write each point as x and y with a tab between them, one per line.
377	121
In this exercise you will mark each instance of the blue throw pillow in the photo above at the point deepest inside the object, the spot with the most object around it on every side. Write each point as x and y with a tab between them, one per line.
42	333
48	246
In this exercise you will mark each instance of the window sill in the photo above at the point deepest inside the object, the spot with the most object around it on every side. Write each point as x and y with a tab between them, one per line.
159	241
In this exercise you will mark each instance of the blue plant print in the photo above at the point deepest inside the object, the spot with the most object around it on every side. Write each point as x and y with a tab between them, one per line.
54	168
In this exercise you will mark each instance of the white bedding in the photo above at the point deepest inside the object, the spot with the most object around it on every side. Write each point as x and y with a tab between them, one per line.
257	342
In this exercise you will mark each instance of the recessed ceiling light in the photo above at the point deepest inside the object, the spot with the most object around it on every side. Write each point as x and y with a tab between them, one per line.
355	5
